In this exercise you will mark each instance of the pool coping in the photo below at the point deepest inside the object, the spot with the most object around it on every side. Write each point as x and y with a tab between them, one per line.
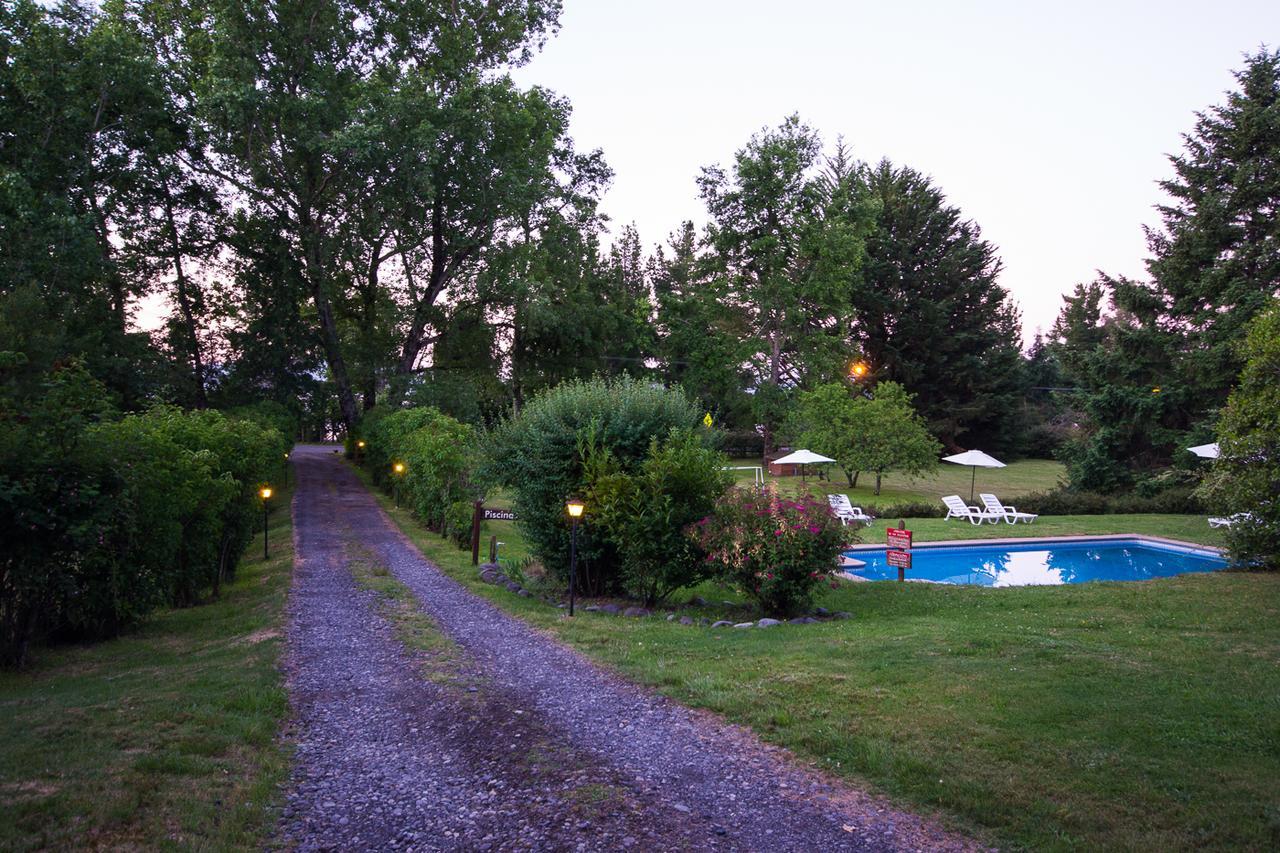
1019	540
1022	540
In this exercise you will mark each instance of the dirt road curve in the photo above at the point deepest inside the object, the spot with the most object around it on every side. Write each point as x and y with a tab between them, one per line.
522	744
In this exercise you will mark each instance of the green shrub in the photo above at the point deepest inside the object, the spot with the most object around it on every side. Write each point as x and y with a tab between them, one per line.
773	549
535	453
645	513
907	509
438	459
104	521
1246	476
457	522
384	431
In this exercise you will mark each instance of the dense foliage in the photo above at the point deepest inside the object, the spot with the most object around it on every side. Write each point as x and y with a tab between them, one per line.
1246	476
103	520
875	433
645	512
538	455
438	456
929	314
773	549
1154	370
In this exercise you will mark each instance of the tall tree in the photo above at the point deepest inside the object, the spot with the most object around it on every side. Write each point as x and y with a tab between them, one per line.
373	133
1168	354
81	105
786	257
700	346
928	311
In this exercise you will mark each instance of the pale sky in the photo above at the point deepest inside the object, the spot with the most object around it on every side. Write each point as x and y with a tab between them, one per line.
1047	125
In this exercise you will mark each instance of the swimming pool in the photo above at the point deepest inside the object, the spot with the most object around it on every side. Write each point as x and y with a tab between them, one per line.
1042	562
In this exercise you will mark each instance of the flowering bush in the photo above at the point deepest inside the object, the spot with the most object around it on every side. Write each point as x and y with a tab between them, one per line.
774	549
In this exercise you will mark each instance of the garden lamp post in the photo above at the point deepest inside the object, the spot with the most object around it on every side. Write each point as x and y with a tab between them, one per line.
265	494
398	470
286	470
360	449
575	507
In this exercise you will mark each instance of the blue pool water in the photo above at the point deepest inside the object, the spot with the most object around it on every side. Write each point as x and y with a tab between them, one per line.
1033	562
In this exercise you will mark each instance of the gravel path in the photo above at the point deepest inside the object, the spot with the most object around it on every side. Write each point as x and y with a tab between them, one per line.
525	745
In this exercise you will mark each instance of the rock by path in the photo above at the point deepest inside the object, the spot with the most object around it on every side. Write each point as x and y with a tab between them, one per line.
529	746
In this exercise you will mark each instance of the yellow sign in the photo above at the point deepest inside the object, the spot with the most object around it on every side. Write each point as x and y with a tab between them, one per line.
707	420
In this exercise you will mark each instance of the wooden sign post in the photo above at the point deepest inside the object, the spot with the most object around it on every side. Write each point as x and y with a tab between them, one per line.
899	554
480	515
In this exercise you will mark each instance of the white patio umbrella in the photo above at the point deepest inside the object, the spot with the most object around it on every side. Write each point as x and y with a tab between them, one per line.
1205	451
975	459
802	458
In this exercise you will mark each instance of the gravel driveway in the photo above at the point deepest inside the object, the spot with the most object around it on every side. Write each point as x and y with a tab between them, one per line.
527	745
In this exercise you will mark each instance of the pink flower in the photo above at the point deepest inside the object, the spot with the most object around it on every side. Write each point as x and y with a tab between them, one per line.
777	533
815	529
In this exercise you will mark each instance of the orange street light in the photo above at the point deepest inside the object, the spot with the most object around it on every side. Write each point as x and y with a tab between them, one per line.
265	494
575	507
858	370
398	469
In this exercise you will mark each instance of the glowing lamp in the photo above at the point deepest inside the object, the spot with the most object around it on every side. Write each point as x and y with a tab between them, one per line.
265	493
398	467
575	507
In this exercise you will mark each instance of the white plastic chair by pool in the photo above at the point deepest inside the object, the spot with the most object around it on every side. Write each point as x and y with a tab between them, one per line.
1009	513
957	508
1228	520
842	509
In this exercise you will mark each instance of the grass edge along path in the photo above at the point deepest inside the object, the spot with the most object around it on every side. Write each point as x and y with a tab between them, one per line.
1095	716
167	736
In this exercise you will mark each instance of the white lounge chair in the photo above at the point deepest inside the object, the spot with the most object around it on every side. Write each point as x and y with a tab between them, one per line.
842	509
1226	521
1009	513
957	508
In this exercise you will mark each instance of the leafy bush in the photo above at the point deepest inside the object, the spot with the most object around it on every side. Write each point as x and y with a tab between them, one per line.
1176	501
907	509
742	444
438	460
384	431
438	455
457	522
1246	476
104	521
645	512
773	549
535	453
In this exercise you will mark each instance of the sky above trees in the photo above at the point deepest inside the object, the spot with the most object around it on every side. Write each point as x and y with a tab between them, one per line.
1048	126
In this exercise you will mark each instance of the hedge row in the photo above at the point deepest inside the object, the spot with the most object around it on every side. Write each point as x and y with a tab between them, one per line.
437	454
1174	501
106	518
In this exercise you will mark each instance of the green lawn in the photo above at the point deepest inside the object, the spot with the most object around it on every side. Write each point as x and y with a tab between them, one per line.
163	738
1094	716
1017	478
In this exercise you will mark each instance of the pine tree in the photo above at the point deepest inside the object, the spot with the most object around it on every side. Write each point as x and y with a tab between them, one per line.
929	314
1168	355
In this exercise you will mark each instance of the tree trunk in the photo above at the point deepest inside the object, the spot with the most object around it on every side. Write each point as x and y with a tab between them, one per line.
775	375
315	276
852	477
877	482
184	304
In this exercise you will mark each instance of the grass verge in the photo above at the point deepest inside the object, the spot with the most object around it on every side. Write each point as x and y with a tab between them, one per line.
165	737
1094	716
1009	482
